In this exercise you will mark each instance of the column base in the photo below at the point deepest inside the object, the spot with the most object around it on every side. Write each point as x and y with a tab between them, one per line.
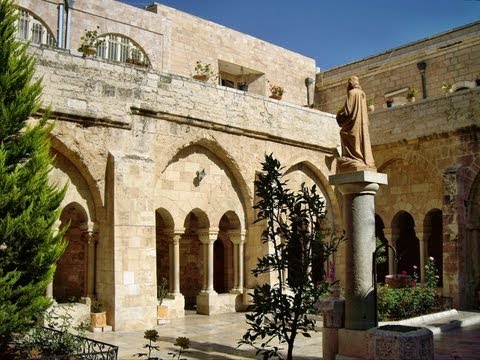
172	307
207	303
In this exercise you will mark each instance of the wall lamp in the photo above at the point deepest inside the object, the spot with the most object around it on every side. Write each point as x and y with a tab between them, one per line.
201	174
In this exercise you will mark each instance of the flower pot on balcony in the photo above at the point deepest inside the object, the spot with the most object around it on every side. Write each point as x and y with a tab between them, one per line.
203	78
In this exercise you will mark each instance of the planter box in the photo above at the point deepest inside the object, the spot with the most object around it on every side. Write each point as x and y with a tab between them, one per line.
98	320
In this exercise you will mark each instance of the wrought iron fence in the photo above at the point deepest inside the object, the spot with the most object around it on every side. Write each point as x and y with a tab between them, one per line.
82	349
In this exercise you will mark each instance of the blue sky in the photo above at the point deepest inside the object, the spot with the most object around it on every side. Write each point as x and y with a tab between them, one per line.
333	32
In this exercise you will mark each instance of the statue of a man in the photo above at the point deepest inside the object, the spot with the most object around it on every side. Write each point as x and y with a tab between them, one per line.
353	120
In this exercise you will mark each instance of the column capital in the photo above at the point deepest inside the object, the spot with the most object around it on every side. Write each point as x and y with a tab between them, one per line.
173	235
237	236
91	237
208	236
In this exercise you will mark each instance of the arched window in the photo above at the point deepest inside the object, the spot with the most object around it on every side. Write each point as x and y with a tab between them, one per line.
122	49
31	28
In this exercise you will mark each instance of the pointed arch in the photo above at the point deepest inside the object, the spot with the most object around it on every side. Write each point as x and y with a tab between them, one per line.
224	161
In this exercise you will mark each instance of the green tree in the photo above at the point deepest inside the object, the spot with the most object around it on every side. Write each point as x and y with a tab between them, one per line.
296	232
29	205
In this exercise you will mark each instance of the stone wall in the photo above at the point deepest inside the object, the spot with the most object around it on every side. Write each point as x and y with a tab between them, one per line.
451	57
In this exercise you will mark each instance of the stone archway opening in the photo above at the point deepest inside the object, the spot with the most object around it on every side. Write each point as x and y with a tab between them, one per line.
406	243
433	235
71	276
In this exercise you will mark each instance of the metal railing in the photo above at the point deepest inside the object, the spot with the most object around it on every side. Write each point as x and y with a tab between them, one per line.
86	349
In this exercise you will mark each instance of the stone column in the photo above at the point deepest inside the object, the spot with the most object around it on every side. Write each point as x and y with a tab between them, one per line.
422	255
174	260
208	237
358	190
207	300
238	239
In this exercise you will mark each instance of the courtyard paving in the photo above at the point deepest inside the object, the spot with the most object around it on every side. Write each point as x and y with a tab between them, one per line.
216	337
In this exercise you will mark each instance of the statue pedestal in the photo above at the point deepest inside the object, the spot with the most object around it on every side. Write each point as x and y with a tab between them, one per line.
358	190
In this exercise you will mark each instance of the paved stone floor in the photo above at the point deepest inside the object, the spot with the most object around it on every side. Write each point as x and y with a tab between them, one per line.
463	343
216	337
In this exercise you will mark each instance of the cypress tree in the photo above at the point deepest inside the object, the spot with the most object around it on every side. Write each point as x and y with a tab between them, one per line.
29	204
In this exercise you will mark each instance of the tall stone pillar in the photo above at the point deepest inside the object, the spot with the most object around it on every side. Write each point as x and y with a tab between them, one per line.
358	190
207	300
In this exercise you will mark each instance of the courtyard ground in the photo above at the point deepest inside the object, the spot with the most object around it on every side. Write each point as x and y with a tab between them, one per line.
456	336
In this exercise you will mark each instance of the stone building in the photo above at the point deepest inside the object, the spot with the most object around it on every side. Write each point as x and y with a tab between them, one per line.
430	150
160	167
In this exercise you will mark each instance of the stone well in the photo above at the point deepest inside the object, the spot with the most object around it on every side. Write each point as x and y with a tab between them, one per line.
400	342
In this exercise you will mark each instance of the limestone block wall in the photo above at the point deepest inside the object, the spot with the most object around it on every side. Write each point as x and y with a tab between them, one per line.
451	57
136	138
174	41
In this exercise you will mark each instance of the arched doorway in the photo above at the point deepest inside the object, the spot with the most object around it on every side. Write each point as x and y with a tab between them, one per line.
433	232
70	281
163	237
192	257
406	243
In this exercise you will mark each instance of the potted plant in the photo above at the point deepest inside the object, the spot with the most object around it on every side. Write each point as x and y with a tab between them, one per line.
412	92
98	315
243	86
203	72
370	105
389	102
90	42
162	291
447	88
276	91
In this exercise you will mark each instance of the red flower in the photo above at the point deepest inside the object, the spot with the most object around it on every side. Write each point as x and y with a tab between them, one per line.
412	283
404	272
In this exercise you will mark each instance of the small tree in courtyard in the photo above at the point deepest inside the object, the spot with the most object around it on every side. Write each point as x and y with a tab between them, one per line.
29	205
295	231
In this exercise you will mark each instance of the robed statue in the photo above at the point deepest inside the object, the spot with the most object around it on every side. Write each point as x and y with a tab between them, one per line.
355	139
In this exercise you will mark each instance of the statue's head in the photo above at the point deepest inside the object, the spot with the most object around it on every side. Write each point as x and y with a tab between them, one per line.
353	83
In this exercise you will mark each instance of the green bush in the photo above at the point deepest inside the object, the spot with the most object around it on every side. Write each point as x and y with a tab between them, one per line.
411	301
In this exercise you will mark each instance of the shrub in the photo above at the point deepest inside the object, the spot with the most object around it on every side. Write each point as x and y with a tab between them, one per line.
412	300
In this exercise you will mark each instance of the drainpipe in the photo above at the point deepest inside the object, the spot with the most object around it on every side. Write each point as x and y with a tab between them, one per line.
70	5
60	35
422	66
308	82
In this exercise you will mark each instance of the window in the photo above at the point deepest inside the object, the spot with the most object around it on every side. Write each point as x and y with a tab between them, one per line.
30	28
122	49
